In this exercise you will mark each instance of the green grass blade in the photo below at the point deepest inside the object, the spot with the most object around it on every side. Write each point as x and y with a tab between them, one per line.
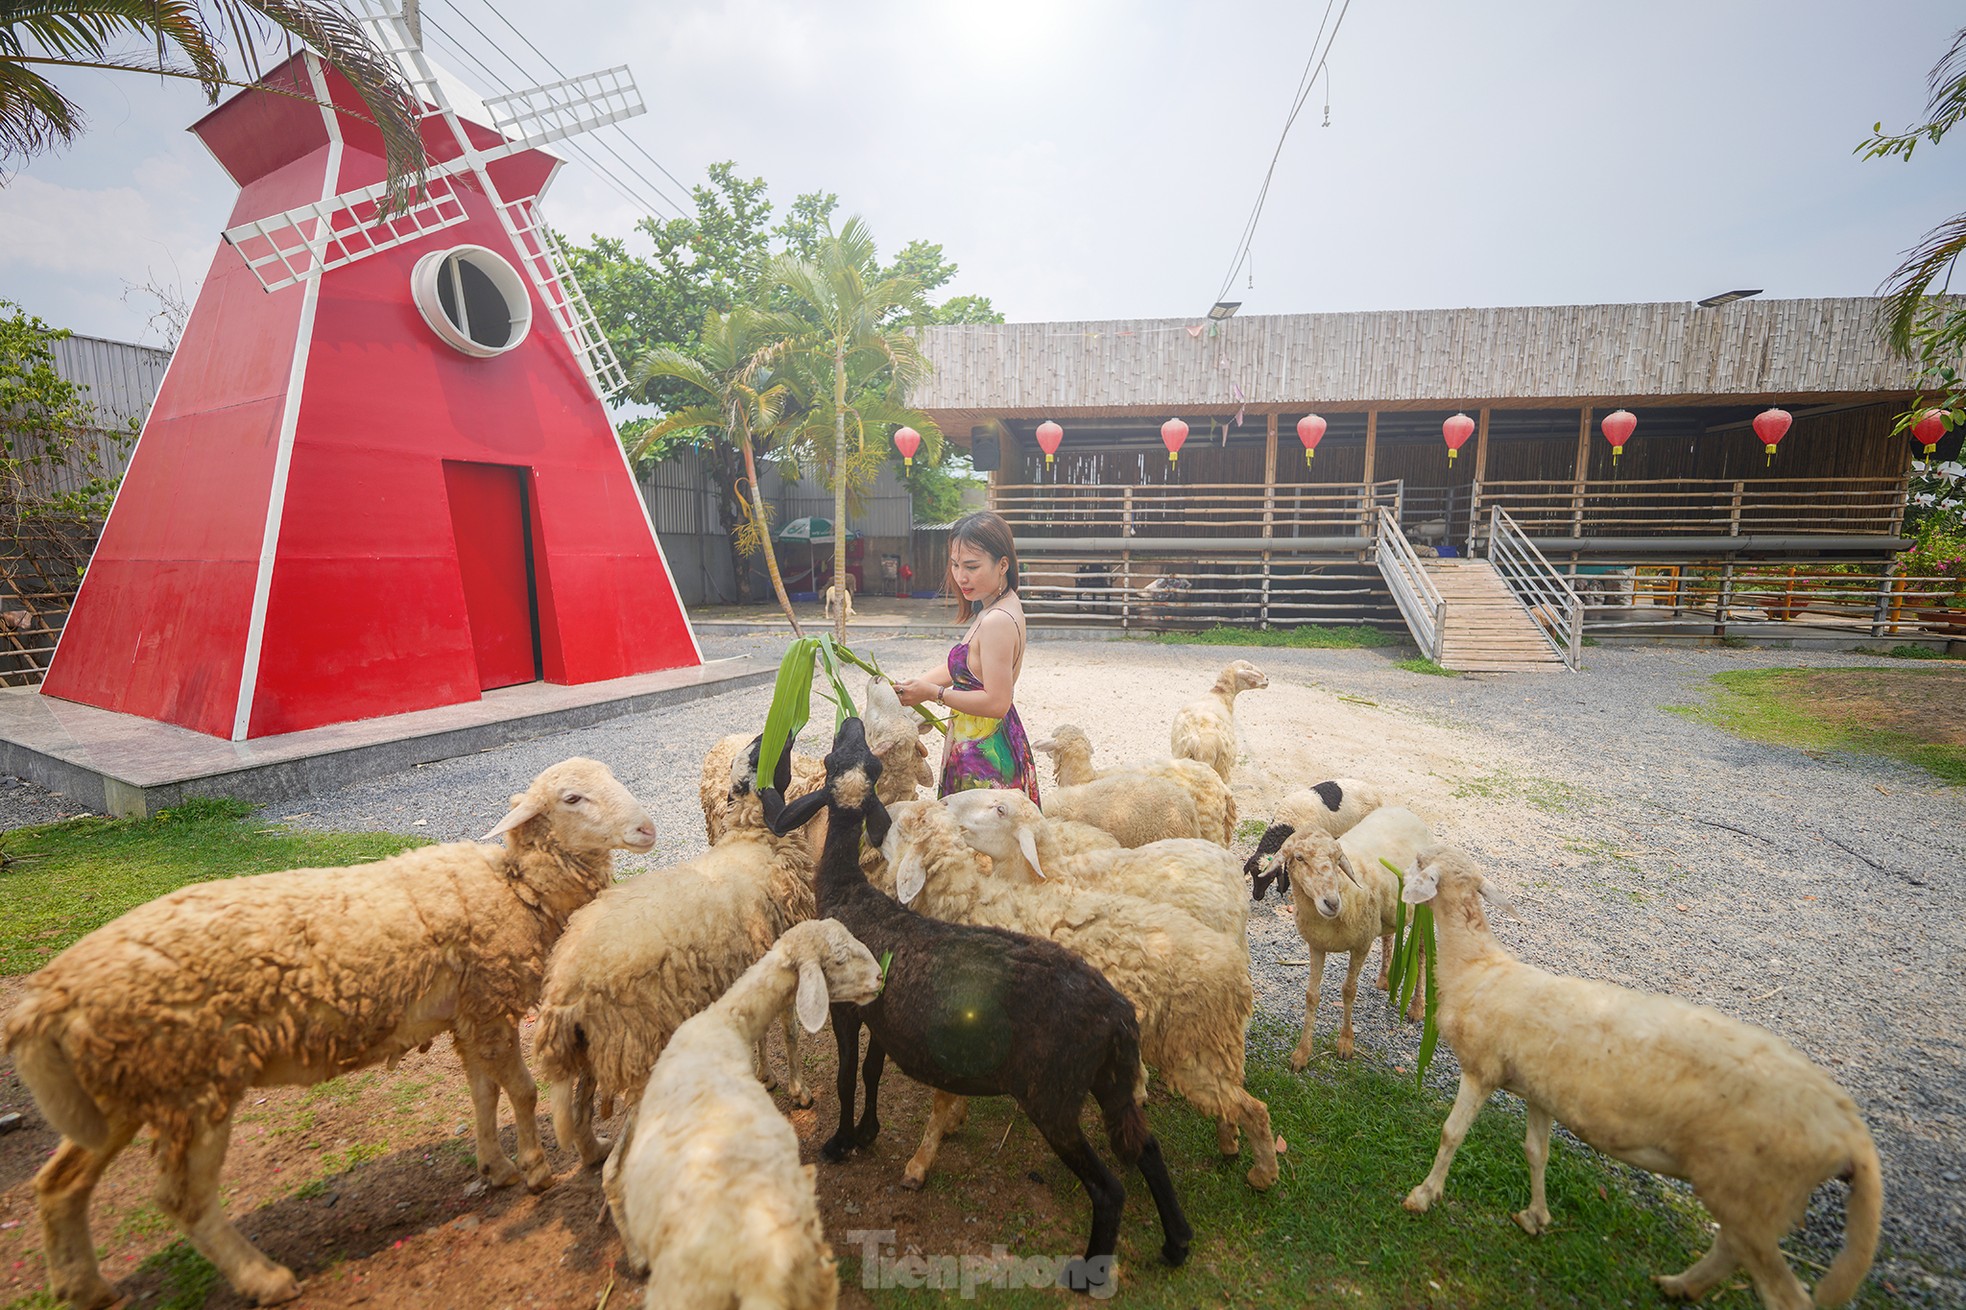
791	706
843	708
868	665
1423	927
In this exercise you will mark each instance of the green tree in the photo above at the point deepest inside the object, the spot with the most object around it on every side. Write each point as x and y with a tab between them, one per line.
741	400
35	116
843	305
46	422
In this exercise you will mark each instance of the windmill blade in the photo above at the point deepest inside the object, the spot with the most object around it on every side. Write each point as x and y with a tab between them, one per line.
308	240
552	276
566	108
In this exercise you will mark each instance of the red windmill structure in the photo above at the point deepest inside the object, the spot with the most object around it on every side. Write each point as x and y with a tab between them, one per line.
379	476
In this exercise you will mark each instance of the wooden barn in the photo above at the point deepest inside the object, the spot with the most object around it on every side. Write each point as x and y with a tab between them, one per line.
1536	532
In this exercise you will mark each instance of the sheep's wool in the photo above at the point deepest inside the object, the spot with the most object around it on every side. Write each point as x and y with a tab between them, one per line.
850	789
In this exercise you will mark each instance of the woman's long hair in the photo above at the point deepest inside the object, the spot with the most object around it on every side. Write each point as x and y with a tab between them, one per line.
990	534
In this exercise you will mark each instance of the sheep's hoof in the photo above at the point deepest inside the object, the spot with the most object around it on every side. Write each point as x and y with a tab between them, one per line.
1344	1046
1674	1287
539	1176
913	1178
1174	1254
1419	1200
498	1171
594	1152
1381	984
1531	1221
1299	1058
802	1098
92	1294
271	1286
837	1148
1262	1177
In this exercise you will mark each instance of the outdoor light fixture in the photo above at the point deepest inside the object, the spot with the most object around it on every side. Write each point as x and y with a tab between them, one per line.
1929	430
1455	432
1771	425
1727	298
1310	431
1225	309
1049	435
1618	427
908	441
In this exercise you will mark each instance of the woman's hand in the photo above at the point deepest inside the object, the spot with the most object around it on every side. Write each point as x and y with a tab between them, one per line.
914	691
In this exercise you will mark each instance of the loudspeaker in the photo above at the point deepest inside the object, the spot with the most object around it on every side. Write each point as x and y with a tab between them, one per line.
985	449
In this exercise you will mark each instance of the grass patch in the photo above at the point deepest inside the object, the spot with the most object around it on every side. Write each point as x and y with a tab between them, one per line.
1332	1232
61	880
1545	794
1251	830
1304	638
1905	652
340	1162
1421	664
188	1277
1911	715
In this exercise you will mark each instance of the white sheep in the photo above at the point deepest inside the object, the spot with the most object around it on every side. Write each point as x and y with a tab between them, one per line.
1135	809
1334	806
1215	805
649	953
1205	729
1195	876
1654	1081
1189	983
1344	899
165	1016
705	1187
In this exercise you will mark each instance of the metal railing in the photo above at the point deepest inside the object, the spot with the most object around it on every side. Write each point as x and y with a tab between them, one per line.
1228	511
1419	601
1537	587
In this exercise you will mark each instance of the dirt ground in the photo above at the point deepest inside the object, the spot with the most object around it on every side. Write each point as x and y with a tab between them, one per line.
1923	704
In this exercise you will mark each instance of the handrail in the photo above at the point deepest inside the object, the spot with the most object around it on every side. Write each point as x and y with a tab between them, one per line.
1419	601
1537	587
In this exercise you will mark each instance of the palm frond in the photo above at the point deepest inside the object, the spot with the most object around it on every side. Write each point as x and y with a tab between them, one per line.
1926	263
707	418
34	115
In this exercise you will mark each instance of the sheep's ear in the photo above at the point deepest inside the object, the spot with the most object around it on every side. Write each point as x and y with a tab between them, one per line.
524	808
813	998
1420	885
878	821
1027	841
1496	897
910	876
781	818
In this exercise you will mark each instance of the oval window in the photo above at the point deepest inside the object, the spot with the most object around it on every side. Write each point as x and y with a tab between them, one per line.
473	299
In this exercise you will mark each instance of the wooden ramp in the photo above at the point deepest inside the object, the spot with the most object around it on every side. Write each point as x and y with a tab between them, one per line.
1484	628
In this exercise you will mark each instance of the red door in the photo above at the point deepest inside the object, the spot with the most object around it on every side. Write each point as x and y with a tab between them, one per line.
489	518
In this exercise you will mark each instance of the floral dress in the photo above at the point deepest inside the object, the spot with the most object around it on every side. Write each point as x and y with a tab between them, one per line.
984	752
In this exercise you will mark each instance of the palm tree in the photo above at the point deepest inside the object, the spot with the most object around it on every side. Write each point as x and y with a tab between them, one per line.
35	116
842	304
1904	291
742	401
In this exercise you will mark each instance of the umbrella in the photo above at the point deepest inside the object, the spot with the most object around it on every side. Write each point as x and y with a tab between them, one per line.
813	531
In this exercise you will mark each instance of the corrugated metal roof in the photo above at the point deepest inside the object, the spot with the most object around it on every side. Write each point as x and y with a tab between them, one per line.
1452	356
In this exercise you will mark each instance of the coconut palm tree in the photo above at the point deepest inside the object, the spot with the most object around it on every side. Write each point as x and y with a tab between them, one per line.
1932	259
742	400
839	305
35	116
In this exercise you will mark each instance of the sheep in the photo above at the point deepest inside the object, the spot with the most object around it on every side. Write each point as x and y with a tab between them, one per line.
1189	982
1205	729
1654	1081
1137	810
1215	805
982	1012
893	732
1334	806
646	955
706	1188
1197	877
1344	898
165	1016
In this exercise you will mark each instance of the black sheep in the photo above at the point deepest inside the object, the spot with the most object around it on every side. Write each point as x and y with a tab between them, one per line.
981	1012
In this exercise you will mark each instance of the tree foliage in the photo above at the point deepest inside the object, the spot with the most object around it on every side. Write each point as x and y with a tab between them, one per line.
47	423
1933	258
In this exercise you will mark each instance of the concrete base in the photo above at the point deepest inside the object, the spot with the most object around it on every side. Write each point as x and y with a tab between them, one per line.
128	766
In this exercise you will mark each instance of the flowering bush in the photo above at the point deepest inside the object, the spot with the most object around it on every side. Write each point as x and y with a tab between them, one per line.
1939	551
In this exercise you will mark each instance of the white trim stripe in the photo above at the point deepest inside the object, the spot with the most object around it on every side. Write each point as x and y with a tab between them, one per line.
276	501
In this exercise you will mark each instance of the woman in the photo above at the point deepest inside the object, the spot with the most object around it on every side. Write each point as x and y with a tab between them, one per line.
986	745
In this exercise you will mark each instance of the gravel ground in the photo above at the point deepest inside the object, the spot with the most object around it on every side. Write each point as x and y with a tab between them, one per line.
1810	895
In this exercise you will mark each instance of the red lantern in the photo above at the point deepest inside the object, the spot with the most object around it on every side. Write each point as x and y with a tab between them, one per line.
1456	431
1931	426
908	441
1771	425
1172	434
1049	435
1310	431
1618	426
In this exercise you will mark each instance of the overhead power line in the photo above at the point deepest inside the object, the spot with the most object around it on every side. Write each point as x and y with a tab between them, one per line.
1314	66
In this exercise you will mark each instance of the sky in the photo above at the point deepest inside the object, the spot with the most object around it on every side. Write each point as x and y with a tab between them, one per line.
1087	159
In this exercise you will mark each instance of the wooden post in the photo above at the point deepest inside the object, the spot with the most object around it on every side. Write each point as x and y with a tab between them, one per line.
1269	511
1481	471
1371	444
1583	473
1126	558
1725	600
1897	602
1734	511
